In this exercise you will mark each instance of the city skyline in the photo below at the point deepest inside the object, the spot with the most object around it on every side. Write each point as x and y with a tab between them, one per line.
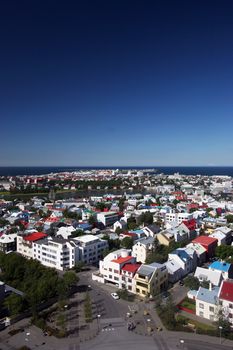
116	84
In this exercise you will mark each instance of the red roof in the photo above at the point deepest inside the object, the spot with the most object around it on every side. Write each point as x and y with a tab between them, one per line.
131	267
122	260
191	224
35	236
205	240
226	291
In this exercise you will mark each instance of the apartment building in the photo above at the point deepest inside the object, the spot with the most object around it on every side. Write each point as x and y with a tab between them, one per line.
91	248
8	243
57	253
178	217
107	218
25	243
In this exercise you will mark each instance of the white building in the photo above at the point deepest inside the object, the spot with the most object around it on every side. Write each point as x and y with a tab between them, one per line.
207	303
91	248
203	275
178	217
25	243
110	267
226	300
141	249
57	253
107	218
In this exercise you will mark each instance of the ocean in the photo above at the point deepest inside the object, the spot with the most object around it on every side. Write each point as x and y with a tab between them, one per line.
210	170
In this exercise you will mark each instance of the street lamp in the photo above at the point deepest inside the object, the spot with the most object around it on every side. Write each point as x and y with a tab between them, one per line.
182	343
220	334
98	318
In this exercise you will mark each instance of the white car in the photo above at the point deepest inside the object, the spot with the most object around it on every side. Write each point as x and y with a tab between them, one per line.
115	296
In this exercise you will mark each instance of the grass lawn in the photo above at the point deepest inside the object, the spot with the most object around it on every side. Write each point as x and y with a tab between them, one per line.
201	326
189	304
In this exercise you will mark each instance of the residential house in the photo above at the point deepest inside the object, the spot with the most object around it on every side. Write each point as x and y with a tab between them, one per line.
110	267
151	279
175	271
226	269
209	243
121	224
200	251
207	275
226	299
165	237
141	249
207	305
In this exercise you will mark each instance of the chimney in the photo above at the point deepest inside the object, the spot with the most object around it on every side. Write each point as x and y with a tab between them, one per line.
210	286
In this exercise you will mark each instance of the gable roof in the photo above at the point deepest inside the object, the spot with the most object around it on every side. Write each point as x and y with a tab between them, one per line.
205	240
131	267
208	296
226	290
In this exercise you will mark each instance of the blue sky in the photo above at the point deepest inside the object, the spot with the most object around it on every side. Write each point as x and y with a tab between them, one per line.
116	82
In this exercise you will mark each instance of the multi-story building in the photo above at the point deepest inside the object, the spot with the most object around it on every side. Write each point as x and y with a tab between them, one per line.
178	217
111	266
151	279
91	248
141	249
8	243
226	300
25	243
207	305
57	253
107	218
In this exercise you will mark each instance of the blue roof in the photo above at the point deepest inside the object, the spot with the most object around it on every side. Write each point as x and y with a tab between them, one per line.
222	266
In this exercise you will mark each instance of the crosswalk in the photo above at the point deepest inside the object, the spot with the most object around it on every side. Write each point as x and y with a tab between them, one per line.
107	329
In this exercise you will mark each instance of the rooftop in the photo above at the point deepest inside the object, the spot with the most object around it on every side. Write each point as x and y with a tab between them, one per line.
220	265
122	260
208	296
131	267
226	290
34	236
205	240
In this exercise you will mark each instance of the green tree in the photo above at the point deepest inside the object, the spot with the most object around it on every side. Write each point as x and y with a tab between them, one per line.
14	303
127	242
192	282
70	278
229	218
78	266
77	233
92	220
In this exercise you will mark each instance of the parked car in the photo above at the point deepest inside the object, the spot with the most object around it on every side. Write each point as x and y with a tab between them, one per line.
115	296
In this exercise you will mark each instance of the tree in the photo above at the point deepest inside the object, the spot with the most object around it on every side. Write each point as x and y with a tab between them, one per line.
79	265
229	218
77	233
192	282
69	279
118	230
91	220
14	303
100	206
127	242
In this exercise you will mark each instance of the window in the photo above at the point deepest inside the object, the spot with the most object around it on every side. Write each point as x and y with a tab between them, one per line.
201	306
201	313
110	269
211	309
231	306
116	278
211	317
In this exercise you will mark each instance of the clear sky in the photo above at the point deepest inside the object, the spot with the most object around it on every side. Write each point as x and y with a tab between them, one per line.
116	82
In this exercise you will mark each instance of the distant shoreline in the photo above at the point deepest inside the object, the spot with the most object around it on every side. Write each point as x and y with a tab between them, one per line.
183	170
